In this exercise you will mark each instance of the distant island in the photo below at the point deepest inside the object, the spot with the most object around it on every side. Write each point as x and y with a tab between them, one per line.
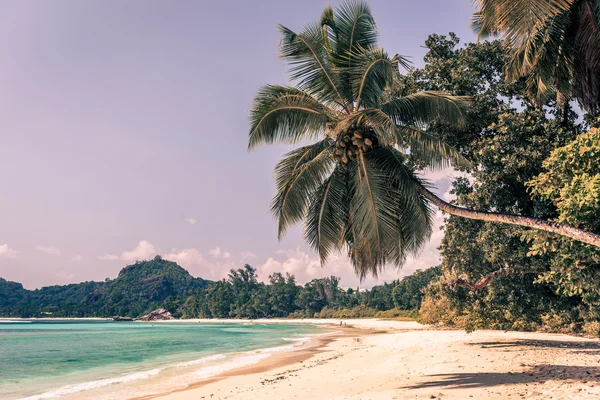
145	286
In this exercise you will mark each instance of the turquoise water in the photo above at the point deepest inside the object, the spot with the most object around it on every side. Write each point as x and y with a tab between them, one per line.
113	360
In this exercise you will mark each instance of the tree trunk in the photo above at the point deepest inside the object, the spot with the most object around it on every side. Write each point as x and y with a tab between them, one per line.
528	222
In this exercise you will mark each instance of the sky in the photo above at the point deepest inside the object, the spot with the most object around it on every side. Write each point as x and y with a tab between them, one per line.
123	134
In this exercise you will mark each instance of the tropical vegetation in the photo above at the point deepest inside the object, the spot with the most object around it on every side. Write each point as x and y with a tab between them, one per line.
554	45
358	188
140	288
148	285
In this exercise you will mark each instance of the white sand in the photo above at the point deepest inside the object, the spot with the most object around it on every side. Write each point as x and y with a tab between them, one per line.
418	364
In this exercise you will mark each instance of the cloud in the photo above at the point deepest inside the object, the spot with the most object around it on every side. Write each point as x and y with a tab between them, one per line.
52	251
217	253
306	266
77	258
187	258
245	255
192	260
64	275
143	251
7	252
191	220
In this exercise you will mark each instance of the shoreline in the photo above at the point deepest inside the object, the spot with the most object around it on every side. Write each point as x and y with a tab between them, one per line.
387	359
368	362
307	351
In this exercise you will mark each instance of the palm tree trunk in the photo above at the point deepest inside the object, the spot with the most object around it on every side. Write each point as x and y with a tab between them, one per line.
528	222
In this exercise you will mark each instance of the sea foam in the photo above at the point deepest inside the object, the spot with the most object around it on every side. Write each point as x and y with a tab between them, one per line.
81	387
235	360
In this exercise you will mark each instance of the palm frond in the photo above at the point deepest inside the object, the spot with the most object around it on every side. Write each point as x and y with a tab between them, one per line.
370	221
286	115
355	27
423	108
515	19
325	223
415	215
327	23
372	71
298	175
310	63
430	149
587	62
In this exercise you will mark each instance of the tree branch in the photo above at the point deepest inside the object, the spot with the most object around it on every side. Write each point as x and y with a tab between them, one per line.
486	279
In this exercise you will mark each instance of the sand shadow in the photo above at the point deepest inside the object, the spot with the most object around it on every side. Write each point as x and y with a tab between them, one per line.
539	374
554	344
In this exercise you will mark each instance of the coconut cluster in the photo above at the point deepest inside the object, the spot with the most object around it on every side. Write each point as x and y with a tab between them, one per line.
350	144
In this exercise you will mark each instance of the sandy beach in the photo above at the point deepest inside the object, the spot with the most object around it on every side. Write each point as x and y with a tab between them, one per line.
380	359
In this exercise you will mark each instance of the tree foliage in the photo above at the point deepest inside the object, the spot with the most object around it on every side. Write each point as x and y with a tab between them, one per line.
140	288
527	163
554	44
352	186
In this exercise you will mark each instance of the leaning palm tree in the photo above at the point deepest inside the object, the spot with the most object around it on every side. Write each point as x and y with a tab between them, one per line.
354	186
555	45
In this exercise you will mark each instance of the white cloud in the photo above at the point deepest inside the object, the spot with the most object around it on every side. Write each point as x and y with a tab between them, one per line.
191	220
143	251
7	252
187	258
77	258
65	276
52	251
218	253
307	266
192	260
247	255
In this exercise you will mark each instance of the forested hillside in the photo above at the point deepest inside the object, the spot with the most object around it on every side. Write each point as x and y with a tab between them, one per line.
139	288
147	285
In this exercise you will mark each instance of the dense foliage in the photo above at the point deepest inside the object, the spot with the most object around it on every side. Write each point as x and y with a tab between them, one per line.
139	289
554	45
145	286
242	296
527	160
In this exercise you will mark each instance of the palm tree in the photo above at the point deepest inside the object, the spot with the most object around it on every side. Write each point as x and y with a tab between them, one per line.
353	186
555	45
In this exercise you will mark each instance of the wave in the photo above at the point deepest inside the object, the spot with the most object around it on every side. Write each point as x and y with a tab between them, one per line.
299	339
236	360
203	360
81	387
15	322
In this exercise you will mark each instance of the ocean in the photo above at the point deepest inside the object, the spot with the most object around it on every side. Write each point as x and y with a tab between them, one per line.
120	360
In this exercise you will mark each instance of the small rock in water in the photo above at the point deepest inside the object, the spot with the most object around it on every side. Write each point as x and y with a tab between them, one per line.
157	315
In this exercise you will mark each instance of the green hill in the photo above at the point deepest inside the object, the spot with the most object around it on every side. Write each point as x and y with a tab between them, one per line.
139	289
